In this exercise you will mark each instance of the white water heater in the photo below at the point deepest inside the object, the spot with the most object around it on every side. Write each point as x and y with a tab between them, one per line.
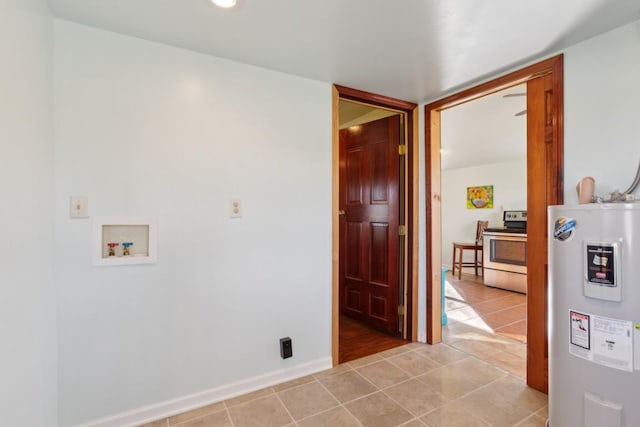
594	315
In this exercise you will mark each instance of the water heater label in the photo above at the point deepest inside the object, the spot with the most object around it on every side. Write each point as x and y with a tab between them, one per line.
636	348
600	262
580	330
602	340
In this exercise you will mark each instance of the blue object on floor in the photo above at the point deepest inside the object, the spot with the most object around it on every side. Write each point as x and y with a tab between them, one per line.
442	273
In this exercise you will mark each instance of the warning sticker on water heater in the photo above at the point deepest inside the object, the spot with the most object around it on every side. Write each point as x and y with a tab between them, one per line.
600	262
580	330
636	348
602	340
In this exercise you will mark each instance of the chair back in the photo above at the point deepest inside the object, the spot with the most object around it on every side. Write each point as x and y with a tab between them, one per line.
480	231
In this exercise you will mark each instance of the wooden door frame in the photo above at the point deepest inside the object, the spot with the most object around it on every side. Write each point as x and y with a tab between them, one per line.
410	110
552	156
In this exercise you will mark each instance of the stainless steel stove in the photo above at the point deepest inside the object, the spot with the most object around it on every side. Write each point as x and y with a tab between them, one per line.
514	222
504	253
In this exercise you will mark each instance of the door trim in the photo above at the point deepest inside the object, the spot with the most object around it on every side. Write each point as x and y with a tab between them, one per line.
537	339
410	110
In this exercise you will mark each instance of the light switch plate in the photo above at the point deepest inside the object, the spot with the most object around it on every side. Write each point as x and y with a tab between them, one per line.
79	207
235	208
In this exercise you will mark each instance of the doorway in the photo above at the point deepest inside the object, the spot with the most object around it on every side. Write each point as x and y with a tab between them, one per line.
544	82
402	311
486	307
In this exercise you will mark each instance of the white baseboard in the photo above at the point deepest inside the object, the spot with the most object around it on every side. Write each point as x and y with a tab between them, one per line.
176	406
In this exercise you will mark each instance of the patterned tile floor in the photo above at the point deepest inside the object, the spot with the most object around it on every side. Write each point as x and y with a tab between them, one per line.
474	378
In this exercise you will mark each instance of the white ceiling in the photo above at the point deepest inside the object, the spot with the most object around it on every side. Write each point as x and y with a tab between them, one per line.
354	113
415	50
485	130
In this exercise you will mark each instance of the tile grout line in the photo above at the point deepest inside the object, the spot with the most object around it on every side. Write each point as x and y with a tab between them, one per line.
411	377
250	400
228	411
506	374
295	422
501	311
512	323
366	363
480	314
399	367
415	416
498	336
229	417
340	404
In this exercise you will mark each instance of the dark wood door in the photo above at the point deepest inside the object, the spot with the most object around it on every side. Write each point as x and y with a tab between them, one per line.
369	223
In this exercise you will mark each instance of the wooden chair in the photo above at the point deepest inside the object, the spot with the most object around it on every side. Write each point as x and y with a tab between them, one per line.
459	248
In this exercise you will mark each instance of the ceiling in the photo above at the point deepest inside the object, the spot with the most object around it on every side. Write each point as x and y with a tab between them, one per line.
485	130
414	50
354	113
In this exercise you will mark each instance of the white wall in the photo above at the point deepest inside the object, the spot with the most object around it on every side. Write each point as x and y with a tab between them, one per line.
509	180
146	129
27	296
602	125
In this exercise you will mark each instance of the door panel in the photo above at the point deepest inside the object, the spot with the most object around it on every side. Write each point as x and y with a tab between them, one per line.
352	254
354	170
378	307
379	173
369	196
379	273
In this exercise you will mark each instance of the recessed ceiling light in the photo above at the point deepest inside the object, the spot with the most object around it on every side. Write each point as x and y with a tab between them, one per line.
224	3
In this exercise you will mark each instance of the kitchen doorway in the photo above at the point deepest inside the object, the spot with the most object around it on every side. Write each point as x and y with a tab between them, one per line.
544	81
484	178
349	297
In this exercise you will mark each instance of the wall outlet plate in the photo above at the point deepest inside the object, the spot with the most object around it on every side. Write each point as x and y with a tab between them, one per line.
235	208
286	348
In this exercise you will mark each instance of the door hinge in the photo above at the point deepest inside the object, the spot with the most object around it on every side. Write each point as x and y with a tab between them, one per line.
402	149
402	230
401	310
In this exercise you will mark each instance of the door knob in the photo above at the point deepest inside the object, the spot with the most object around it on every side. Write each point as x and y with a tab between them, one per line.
342	212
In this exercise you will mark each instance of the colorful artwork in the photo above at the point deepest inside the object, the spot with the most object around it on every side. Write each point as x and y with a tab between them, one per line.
480	197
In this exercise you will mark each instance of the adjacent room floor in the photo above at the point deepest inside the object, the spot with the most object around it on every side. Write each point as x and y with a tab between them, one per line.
474	378
486	322
358	340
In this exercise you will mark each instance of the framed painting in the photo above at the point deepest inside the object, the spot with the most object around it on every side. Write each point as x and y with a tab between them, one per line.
480	197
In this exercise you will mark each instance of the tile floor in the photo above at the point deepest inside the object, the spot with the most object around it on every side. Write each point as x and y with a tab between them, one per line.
490	309
486	322
474	378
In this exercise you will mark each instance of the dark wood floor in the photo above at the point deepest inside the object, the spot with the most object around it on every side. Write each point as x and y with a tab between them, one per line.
358	340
